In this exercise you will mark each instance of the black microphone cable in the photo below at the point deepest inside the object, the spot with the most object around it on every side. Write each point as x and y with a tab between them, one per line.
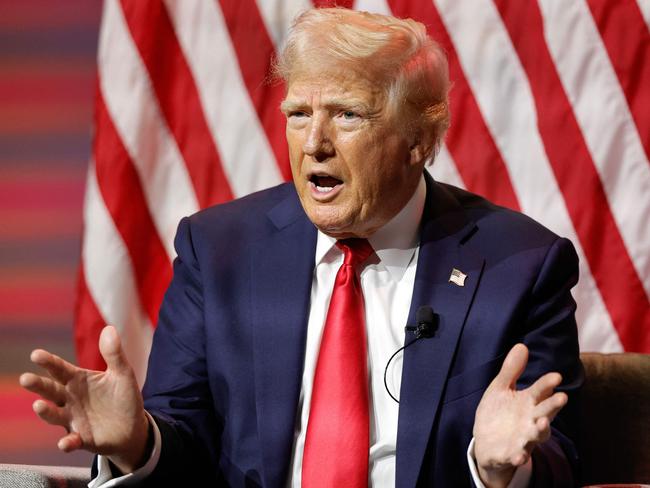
426	326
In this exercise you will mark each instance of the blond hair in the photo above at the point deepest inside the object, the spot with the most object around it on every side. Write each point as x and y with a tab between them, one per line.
398	53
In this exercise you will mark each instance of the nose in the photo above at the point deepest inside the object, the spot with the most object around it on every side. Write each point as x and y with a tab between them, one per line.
318	143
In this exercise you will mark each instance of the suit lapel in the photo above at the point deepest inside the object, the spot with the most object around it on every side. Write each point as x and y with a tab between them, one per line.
427	362
282	267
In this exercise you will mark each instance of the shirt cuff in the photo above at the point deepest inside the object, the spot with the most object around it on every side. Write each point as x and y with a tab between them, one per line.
105	478
521	478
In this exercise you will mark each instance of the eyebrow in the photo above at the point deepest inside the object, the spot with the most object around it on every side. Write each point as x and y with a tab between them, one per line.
291	105
333	103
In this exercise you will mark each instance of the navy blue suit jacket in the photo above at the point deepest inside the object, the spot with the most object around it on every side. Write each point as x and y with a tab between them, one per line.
226	364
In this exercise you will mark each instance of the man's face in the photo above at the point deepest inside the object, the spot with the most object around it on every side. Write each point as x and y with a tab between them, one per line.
351	160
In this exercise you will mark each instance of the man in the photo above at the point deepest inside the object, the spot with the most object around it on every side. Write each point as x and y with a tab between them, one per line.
262	370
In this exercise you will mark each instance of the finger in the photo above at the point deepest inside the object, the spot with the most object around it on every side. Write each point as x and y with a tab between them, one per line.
521	458
550	407
50	413
59	369
512	368
111	350
543	426
543	388
70	442
45	387
538	432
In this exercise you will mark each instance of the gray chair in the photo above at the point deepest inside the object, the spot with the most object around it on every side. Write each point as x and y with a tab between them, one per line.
28	476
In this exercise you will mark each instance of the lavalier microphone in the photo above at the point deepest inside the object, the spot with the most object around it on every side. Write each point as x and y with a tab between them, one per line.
426	323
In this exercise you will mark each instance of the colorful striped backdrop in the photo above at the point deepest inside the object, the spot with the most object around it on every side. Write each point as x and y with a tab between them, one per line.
48	54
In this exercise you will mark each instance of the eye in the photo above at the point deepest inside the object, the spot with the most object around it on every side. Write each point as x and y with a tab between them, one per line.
297	114
349	115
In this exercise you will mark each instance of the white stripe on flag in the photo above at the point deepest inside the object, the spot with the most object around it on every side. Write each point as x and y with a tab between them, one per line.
444	169
246	155
109	278
605	121
374	6
130	101
278	15
595	329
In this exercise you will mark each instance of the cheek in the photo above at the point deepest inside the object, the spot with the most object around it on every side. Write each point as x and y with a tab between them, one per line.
363	156
376	170
294	143
371	177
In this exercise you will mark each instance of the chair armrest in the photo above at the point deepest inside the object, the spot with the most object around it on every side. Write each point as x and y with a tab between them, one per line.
28	476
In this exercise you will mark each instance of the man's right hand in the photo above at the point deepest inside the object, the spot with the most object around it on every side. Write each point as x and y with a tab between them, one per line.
102	412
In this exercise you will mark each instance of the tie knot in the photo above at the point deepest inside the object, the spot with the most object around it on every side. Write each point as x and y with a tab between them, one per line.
355	251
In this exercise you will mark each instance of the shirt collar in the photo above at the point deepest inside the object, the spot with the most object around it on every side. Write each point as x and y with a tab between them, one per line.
394	243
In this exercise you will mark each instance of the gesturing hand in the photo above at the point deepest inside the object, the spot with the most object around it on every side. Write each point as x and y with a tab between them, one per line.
510	423
102	412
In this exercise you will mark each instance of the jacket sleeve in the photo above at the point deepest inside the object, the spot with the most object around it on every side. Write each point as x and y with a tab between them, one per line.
551	337
177	392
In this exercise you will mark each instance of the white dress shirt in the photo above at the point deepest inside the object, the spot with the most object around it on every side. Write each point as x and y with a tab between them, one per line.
387	282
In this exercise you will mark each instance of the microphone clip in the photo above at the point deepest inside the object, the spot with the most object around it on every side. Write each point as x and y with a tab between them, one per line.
421	331
427	323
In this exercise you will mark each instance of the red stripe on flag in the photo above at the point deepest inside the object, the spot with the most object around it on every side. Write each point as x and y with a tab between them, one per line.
627	41
255	52
120	187
88	325
172	80
578	180
469	140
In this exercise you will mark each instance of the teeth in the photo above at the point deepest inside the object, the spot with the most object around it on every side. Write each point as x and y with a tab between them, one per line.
324	189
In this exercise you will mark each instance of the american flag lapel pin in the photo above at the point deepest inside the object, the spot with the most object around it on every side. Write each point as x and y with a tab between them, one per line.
457	277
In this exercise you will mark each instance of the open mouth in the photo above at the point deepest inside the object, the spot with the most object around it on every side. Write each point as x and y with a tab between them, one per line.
324	184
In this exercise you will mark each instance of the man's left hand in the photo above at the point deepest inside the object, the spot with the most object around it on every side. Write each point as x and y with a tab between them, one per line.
509	423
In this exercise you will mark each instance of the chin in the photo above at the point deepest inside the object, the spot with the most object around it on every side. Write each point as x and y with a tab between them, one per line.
336	220
331	226
340	230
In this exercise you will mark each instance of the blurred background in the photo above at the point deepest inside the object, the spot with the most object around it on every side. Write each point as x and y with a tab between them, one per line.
47	79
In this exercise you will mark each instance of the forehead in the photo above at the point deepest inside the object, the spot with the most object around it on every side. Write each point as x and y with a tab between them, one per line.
334	84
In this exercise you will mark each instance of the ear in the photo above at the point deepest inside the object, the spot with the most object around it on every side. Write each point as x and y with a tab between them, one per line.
420	150
416	154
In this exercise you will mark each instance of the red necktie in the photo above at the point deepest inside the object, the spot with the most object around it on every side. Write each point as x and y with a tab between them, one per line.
337	441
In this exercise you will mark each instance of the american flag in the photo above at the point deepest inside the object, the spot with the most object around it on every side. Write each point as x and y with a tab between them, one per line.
550	116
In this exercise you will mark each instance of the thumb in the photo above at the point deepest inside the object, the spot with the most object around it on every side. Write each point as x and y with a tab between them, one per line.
110	347
512	368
